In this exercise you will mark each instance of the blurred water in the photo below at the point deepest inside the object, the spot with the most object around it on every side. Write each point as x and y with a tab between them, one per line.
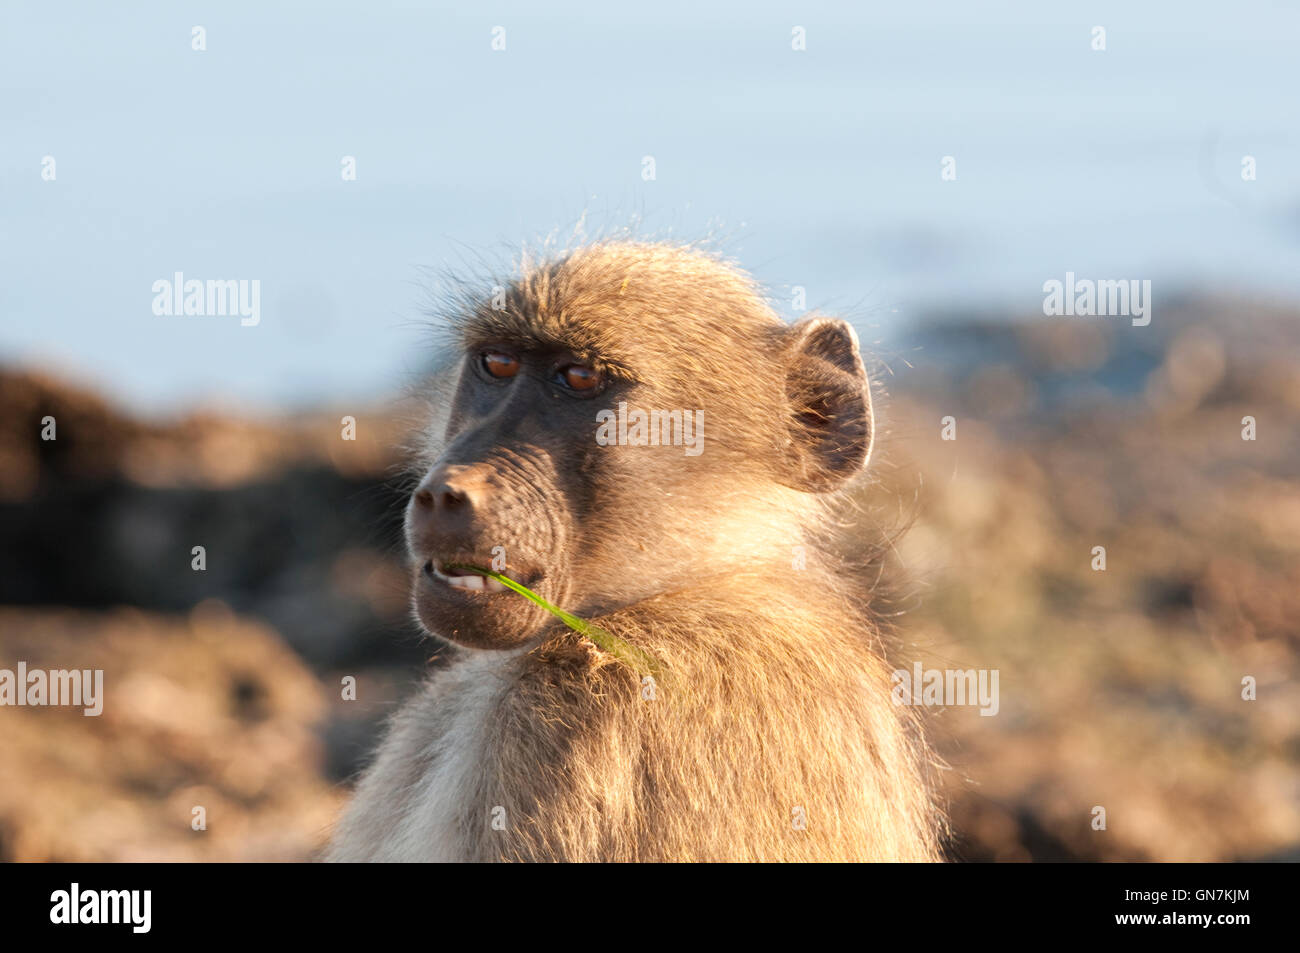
819	168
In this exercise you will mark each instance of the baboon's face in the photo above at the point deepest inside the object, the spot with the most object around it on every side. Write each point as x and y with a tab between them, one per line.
537	482
526	486
510	493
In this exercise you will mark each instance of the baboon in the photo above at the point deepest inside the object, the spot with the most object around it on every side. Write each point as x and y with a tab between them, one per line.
765	730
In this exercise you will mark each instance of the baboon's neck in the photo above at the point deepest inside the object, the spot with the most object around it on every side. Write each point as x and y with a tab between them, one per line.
770	694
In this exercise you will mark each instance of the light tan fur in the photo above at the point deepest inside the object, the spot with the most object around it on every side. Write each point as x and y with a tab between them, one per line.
767	732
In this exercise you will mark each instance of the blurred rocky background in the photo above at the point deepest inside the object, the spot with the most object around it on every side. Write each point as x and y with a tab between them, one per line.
223	686
1120	689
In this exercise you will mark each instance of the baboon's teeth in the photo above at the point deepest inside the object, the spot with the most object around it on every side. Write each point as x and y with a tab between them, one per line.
465	579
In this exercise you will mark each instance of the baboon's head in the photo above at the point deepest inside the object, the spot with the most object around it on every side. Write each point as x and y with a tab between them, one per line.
629	420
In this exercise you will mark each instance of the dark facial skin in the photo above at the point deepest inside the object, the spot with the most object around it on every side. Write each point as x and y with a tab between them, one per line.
517	473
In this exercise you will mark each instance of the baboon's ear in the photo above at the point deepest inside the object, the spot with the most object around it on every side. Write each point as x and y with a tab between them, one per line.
830	405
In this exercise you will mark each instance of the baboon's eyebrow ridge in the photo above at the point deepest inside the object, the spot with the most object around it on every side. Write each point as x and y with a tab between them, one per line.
664	317
516	327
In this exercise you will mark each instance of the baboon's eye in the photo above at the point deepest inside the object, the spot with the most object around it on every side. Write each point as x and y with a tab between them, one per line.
579	377
500	365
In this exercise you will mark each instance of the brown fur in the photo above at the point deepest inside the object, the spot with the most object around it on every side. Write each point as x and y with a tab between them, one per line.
772	697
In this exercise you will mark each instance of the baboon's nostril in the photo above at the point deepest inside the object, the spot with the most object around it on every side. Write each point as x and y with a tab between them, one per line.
444	508
450	498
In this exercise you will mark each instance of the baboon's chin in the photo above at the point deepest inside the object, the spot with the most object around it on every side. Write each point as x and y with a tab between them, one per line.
481	617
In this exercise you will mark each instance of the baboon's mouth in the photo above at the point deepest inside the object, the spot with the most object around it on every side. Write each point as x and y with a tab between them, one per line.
641	661
459	577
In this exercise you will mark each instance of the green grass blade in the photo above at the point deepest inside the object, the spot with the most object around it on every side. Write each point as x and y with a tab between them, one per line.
605	640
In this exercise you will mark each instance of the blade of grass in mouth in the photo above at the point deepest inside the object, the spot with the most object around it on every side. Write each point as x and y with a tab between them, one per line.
642	662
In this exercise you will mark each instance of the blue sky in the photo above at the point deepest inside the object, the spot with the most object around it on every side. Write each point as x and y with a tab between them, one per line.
820	168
